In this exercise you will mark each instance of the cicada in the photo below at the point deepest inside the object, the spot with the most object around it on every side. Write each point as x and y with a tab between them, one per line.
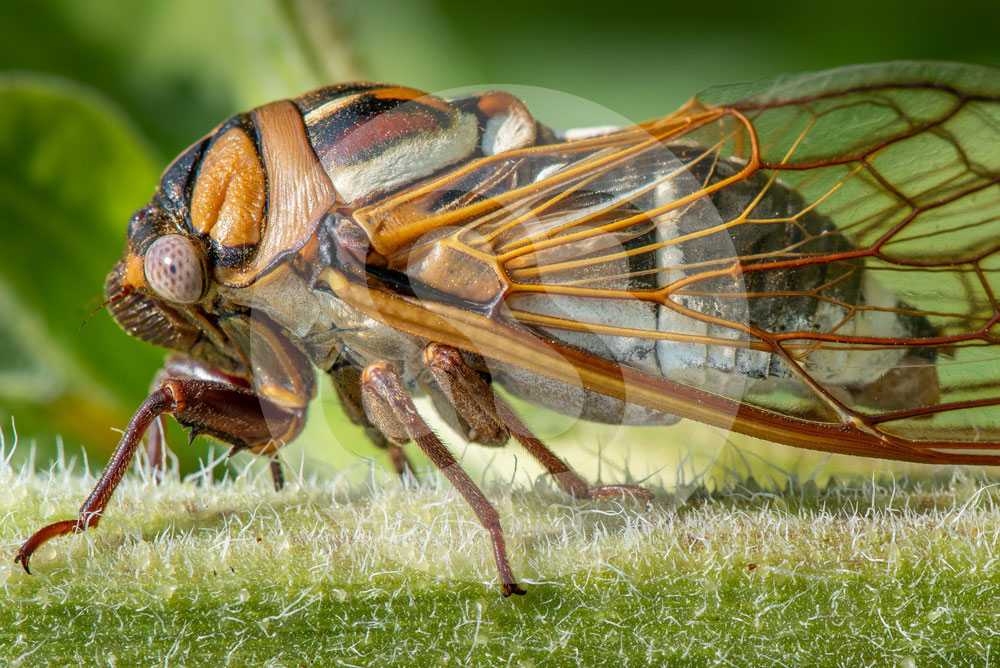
811	259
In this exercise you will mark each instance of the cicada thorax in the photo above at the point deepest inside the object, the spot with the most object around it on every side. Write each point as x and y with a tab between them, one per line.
254	192
265	193
256	189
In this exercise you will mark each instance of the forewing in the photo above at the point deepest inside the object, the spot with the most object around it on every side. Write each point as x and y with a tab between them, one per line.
821	248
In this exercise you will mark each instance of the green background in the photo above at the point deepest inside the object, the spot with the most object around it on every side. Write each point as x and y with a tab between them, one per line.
97	97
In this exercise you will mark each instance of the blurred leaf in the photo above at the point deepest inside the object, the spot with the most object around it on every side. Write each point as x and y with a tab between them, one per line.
180	68
72	170
24	351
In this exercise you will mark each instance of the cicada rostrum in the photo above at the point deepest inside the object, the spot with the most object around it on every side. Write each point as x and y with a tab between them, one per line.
813	259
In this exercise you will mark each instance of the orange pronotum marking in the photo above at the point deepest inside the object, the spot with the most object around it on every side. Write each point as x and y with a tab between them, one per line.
228	198
299	191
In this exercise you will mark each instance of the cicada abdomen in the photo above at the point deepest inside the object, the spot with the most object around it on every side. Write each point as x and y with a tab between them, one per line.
839	296
682	246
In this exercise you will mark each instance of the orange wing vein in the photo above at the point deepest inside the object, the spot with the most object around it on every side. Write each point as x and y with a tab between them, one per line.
817	255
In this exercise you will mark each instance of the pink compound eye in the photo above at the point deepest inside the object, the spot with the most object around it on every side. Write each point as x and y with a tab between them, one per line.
174	270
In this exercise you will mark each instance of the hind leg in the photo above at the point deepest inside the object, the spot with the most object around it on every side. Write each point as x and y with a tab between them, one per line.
346	379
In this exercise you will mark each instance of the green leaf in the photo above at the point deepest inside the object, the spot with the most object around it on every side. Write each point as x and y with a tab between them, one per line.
326	573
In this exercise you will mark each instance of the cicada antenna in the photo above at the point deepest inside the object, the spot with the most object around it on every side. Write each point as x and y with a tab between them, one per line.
121	294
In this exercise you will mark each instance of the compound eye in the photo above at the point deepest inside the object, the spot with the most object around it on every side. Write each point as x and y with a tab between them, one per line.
174	269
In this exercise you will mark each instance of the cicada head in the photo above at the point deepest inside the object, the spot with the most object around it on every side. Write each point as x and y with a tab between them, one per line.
161	288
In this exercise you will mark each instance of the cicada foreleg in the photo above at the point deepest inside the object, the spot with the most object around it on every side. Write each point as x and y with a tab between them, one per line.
180	366
493	420
392	411
228	412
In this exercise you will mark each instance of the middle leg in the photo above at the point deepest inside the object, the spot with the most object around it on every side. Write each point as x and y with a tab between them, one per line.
390	409
489	414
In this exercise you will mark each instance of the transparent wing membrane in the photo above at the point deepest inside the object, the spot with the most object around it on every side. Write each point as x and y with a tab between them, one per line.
822	248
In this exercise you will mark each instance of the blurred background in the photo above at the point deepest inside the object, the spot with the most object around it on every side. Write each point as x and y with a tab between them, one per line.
97	97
